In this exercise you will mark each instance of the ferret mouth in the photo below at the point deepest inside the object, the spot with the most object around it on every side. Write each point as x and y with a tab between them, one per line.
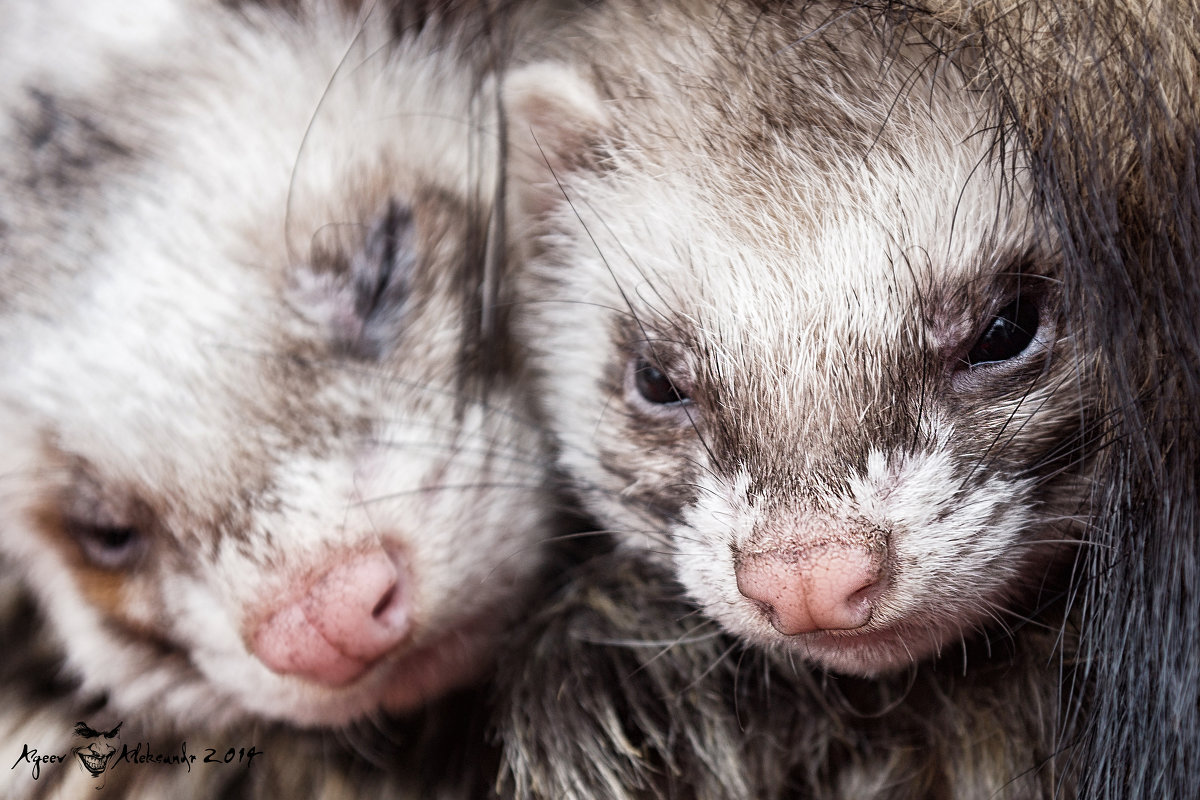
399	682
452	660
866	652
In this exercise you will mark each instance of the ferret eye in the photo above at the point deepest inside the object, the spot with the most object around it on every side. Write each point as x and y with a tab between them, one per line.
107	546
1008	334
108	523
654	386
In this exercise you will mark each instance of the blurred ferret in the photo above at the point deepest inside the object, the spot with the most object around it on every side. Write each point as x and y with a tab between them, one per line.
263	453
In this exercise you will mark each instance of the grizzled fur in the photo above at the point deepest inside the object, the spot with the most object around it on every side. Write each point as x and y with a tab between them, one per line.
803	220
803	215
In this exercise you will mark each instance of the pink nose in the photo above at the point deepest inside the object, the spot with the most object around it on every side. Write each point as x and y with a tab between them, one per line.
821	588
347	619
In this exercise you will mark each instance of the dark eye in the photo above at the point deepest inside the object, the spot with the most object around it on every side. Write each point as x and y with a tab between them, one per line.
108	547
654	386
382	271
1008	334
381	274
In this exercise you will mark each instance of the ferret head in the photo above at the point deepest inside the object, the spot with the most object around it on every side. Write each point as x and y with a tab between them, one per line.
255	461
798	330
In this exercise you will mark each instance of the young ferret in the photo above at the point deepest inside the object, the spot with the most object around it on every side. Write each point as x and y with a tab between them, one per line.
1103	705
796	326
262	456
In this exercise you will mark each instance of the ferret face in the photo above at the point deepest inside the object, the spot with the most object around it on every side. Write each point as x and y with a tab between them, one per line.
247	468
815	357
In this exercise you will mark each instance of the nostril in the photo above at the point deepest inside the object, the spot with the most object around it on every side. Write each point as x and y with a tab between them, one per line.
350	617
362	606
769	612
384	602
868	594
762	606
391	609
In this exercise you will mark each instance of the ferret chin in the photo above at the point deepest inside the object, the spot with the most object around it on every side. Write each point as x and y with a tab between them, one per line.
809	345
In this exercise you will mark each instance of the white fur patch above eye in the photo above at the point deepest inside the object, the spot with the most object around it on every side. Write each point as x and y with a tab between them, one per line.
801	272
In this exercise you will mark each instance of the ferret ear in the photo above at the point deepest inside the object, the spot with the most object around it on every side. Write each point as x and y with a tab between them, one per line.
555	120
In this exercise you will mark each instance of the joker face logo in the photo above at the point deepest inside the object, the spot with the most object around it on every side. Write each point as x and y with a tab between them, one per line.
95	754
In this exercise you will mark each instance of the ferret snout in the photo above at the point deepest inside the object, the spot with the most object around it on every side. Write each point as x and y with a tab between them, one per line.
822	587
343	622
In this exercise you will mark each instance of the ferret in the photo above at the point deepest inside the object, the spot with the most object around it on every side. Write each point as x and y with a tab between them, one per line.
797	327
1088	112
263	457
435	751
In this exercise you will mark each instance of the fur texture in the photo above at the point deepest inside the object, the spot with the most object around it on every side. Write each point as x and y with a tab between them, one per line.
770	241
617	690
437	752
